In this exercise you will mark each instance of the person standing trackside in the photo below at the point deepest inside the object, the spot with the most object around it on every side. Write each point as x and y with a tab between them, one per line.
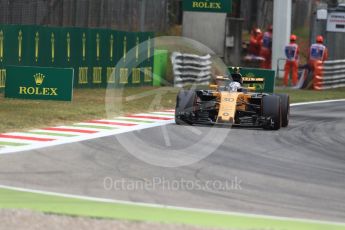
266	50
292	59
317	52
255	42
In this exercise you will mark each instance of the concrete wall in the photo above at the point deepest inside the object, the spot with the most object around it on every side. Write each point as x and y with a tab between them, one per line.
207	28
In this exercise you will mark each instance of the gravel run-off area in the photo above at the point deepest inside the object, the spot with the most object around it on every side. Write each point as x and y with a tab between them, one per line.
28	220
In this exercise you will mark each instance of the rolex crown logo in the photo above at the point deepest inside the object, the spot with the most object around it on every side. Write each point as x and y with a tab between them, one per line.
39	78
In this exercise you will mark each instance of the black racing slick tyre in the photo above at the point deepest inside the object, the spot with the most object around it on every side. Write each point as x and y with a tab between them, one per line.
285	108
271	109
185	102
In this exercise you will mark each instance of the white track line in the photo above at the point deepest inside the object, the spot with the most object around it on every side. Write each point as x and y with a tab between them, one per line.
76	125
12	140
155	115
316	102
176	208
138	121
119	121
54	132
115	119
75	129
165	113
134	121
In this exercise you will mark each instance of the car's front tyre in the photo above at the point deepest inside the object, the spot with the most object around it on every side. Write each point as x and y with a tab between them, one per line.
285	109
271	110
185	102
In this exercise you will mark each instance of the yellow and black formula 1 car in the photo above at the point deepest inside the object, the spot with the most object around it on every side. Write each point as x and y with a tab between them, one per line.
228	102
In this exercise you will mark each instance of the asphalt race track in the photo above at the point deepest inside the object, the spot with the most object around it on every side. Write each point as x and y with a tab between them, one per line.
295	172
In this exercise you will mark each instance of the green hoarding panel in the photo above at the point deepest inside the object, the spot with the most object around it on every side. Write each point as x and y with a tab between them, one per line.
8	47
93	62
93	53
43	38
55	53
160	66
131	61
133	64
2	80
39	83
31	46
121	53
217	6
126	58
81	49
147	55
108	56
70	54
102	56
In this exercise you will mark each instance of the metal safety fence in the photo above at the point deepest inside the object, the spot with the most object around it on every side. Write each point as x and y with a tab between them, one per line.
191	69
329	75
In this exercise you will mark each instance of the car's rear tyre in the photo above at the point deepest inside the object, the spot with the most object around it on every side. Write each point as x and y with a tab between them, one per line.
285	109
271	108
185	102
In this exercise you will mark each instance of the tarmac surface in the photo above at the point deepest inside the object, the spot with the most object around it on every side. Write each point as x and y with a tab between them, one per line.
296	172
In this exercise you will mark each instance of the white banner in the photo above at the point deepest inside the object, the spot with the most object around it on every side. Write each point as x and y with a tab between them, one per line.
336	22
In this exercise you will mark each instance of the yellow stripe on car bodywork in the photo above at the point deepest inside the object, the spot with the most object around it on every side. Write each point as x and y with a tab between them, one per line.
227	107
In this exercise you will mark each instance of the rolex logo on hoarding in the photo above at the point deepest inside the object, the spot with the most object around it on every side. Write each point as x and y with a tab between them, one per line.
207	5
39	78
37	90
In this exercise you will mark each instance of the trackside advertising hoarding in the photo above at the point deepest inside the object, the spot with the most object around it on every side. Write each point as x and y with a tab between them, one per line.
336	22
93	53
39	83
216	6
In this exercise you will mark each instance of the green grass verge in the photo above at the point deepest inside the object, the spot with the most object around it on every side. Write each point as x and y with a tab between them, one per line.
311	95
89	104
10	199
